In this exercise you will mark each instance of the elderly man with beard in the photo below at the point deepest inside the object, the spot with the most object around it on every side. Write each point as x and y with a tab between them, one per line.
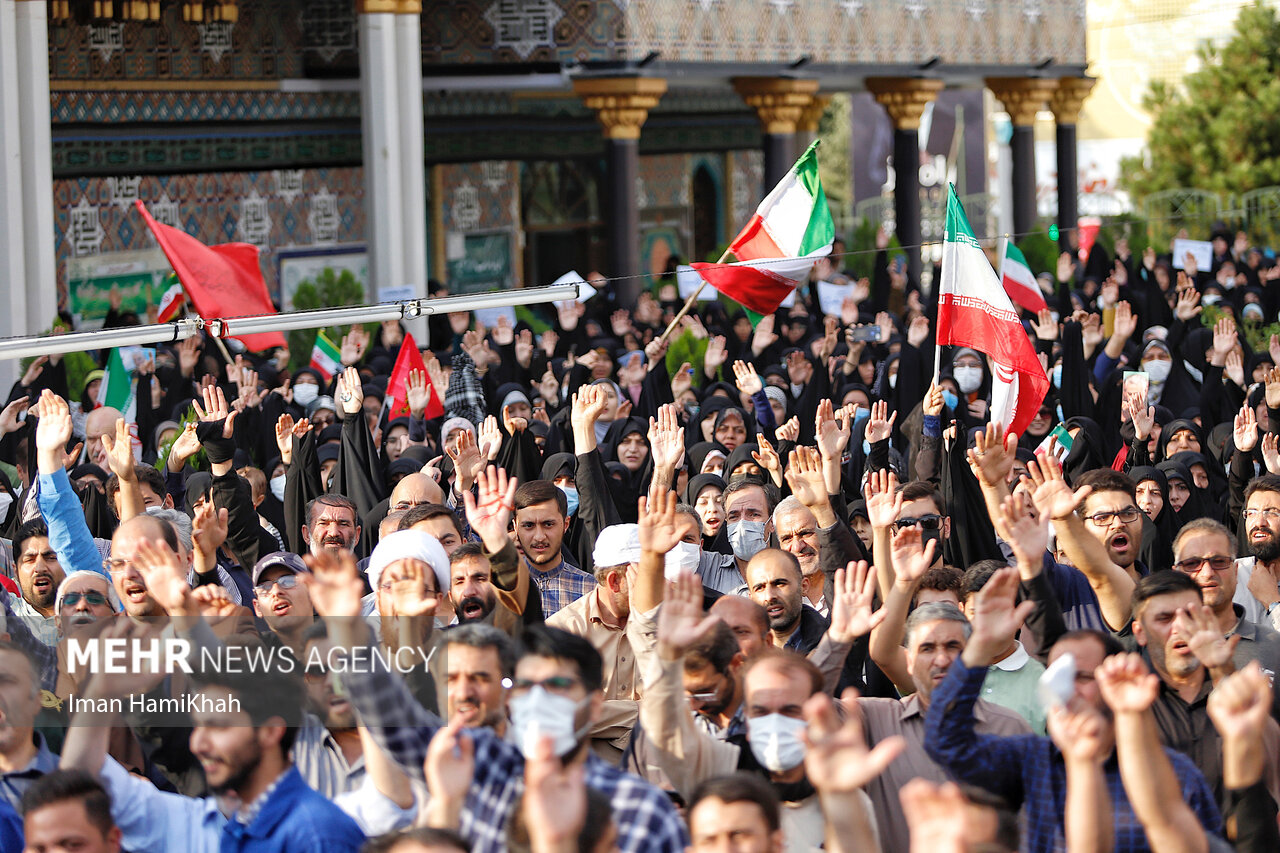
1185	646
1258	576
1204	551
333	525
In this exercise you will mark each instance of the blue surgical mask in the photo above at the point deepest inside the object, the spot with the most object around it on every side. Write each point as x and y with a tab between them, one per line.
949	399
747	539
860	414
1057	376
571	495
866	447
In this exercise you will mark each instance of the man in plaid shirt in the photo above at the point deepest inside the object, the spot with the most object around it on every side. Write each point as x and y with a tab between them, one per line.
555	665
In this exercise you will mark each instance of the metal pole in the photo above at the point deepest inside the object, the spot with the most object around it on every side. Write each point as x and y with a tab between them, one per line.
11	348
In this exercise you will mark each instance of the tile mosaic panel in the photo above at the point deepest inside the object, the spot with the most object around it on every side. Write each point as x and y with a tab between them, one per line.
274	210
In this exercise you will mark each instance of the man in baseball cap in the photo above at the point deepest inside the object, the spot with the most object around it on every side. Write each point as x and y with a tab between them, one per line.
281	599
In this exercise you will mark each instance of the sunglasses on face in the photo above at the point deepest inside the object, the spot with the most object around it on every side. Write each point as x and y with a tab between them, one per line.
284	582
926	522
96	599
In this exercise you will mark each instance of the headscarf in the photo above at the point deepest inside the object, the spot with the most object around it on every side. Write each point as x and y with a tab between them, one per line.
1157	533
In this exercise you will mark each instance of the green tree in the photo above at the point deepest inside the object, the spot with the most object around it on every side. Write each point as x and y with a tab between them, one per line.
329	289
1220	130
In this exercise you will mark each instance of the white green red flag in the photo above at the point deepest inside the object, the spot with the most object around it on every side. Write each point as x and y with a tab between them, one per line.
172	302
974	311
117	389
1018	280
325	357
790	231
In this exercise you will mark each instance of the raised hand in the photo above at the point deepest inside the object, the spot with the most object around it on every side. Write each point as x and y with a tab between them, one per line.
1066	267
996	618
569	312
880	424
1188	304
1198	625
837	758
799	368
215	604
187	444
832	433
490	438
1271	452
587	406
9	416
681	622
918	331
1027	534
164	576
335	585
503	334
354	343
804	476
489	510
1046	327
789	431
852	611
416	393
746	378
1241	703
350	391
555	799
910	555
1245	431
209	529
1234	368
547	342
666	439
1125	323
1081	735
512	423
448	770
1224	340
764	336
53	431
215	409
1142	415
409	591
34	369
661	528
716	355
1052	496
468	461
993	455
1271	381
120	451
1127	684
883	501
524	348
767	458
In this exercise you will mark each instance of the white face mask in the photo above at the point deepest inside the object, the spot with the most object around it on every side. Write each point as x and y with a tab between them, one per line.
6	501
747	539
277	487
305	393
775	741
682	559
893	380
1158	371
968	378
540	713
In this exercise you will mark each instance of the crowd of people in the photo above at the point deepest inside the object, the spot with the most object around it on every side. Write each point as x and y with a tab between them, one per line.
740	588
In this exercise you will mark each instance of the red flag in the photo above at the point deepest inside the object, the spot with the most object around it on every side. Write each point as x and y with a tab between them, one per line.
220	281
397	396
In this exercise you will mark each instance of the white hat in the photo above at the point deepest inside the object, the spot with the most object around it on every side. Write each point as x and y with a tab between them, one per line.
617	545
410	545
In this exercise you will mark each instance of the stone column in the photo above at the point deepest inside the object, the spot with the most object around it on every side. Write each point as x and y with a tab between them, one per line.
380	133
1023	97
413	176
779	103
622	104
13	292
904	99
32	33
807	126
1066	102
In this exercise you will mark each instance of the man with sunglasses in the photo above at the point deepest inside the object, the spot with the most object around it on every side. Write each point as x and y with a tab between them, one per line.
83	599
281	600
1204	551
922	507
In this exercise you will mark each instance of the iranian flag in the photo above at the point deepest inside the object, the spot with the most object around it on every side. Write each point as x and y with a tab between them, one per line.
172	303
1018	280
790	231
974	311
117	389
325	357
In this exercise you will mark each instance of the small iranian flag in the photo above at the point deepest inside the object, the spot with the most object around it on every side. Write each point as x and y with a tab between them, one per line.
117	389
790	231
172	303
974	311
1018	280
325	357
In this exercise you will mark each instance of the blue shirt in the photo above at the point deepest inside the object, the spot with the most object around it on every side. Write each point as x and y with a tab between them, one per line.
14	785
10	829
294	818
68	533
1029	769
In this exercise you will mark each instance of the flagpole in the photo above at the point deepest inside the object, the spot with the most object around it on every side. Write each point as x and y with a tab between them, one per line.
688	303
